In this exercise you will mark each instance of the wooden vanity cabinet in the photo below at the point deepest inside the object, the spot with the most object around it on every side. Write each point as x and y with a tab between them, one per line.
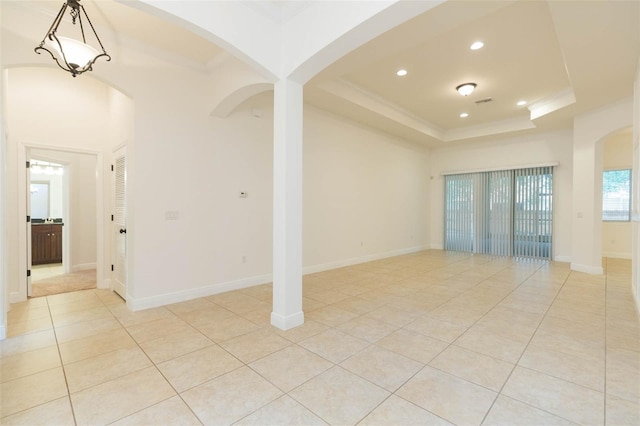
46	243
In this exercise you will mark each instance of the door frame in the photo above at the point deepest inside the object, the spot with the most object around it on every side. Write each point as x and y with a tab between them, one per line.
24	243
66	208
121	290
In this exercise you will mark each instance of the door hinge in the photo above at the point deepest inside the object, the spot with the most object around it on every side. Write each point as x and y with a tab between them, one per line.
28	164
28	273
111	268
28	219
112	167
111	218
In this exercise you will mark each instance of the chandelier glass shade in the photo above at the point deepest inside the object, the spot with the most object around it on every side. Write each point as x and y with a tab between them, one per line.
72	54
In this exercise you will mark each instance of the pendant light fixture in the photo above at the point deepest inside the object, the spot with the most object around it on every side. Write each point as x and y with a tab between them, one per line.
72	54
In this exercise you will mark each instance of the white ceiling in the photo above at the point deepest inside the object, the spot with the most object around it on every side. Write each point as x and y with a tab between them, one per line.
279	10
562	57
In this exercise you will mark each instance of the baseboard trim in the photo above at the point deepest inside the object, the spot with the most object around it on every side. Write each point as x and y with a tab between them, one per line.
594	270
565	259
210	290
617	255
288	322
357	260
636	298
83	267
106	283
14	297
194	293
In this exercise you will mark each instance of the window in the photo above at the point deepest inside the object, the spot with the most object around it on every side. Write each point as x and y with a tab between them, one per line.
503	213
616	195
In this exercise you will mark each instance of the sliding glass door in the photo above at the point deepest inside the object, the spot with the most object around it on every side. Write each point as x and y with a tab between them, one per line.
505	212
532	216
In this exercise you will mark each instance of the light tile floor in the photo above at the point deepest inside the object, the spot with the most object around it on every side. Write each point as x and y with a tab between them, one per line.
427	338
41	272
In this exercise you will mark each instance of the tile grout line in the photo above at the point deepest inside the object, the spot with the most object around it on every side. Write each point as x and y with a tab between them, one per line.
474	323
64	370
440	352
157	369
516	364
108	352
449	344
337	364
546	315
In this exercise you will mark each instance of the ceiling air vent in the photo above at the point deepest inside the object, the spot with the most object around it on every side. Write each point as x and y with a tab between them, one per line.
484	101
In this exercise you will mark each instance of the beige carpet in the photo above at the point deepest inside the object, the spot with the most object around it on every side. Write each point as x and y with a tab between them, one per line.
82	280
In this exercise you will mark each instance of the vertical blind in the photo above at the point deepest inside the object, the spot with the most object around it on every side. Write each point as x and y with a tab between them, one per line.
504	213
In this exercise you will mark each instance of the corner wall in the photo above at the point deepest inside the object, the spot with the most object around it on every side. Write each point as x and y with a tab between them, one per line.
589	131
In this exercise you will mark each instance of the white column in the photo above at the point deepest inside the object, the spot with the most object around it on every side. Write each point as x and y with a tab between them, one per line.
586	249
287	206
635	188
4	282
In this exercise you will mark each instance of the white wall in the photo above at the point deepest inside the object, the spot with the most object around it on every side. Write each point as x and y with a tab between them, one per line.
82	219
590	129
505	153
366	195
618	154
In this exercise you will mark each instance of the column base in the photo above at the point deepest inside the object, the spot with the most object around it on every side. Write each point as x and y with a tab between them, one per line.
288	322
588	269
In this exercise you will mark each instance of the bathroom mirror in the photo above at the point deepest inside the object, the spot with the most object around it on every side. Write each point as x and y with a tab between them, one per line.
39	200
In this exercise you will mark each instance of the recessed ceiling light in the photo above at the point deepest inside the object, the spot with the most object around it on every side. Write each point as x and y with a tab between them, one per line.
464	115
402	72
521	103
466	89
477	45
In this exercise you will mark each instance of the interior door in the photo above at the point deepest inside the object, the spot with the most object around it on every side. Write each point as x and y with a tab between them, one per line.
119	224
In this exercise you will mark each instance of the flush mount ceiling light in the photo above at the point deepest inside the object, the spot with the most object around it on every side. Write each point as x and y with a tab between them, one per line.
464	115
477	45
402	72
466	89
72	54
